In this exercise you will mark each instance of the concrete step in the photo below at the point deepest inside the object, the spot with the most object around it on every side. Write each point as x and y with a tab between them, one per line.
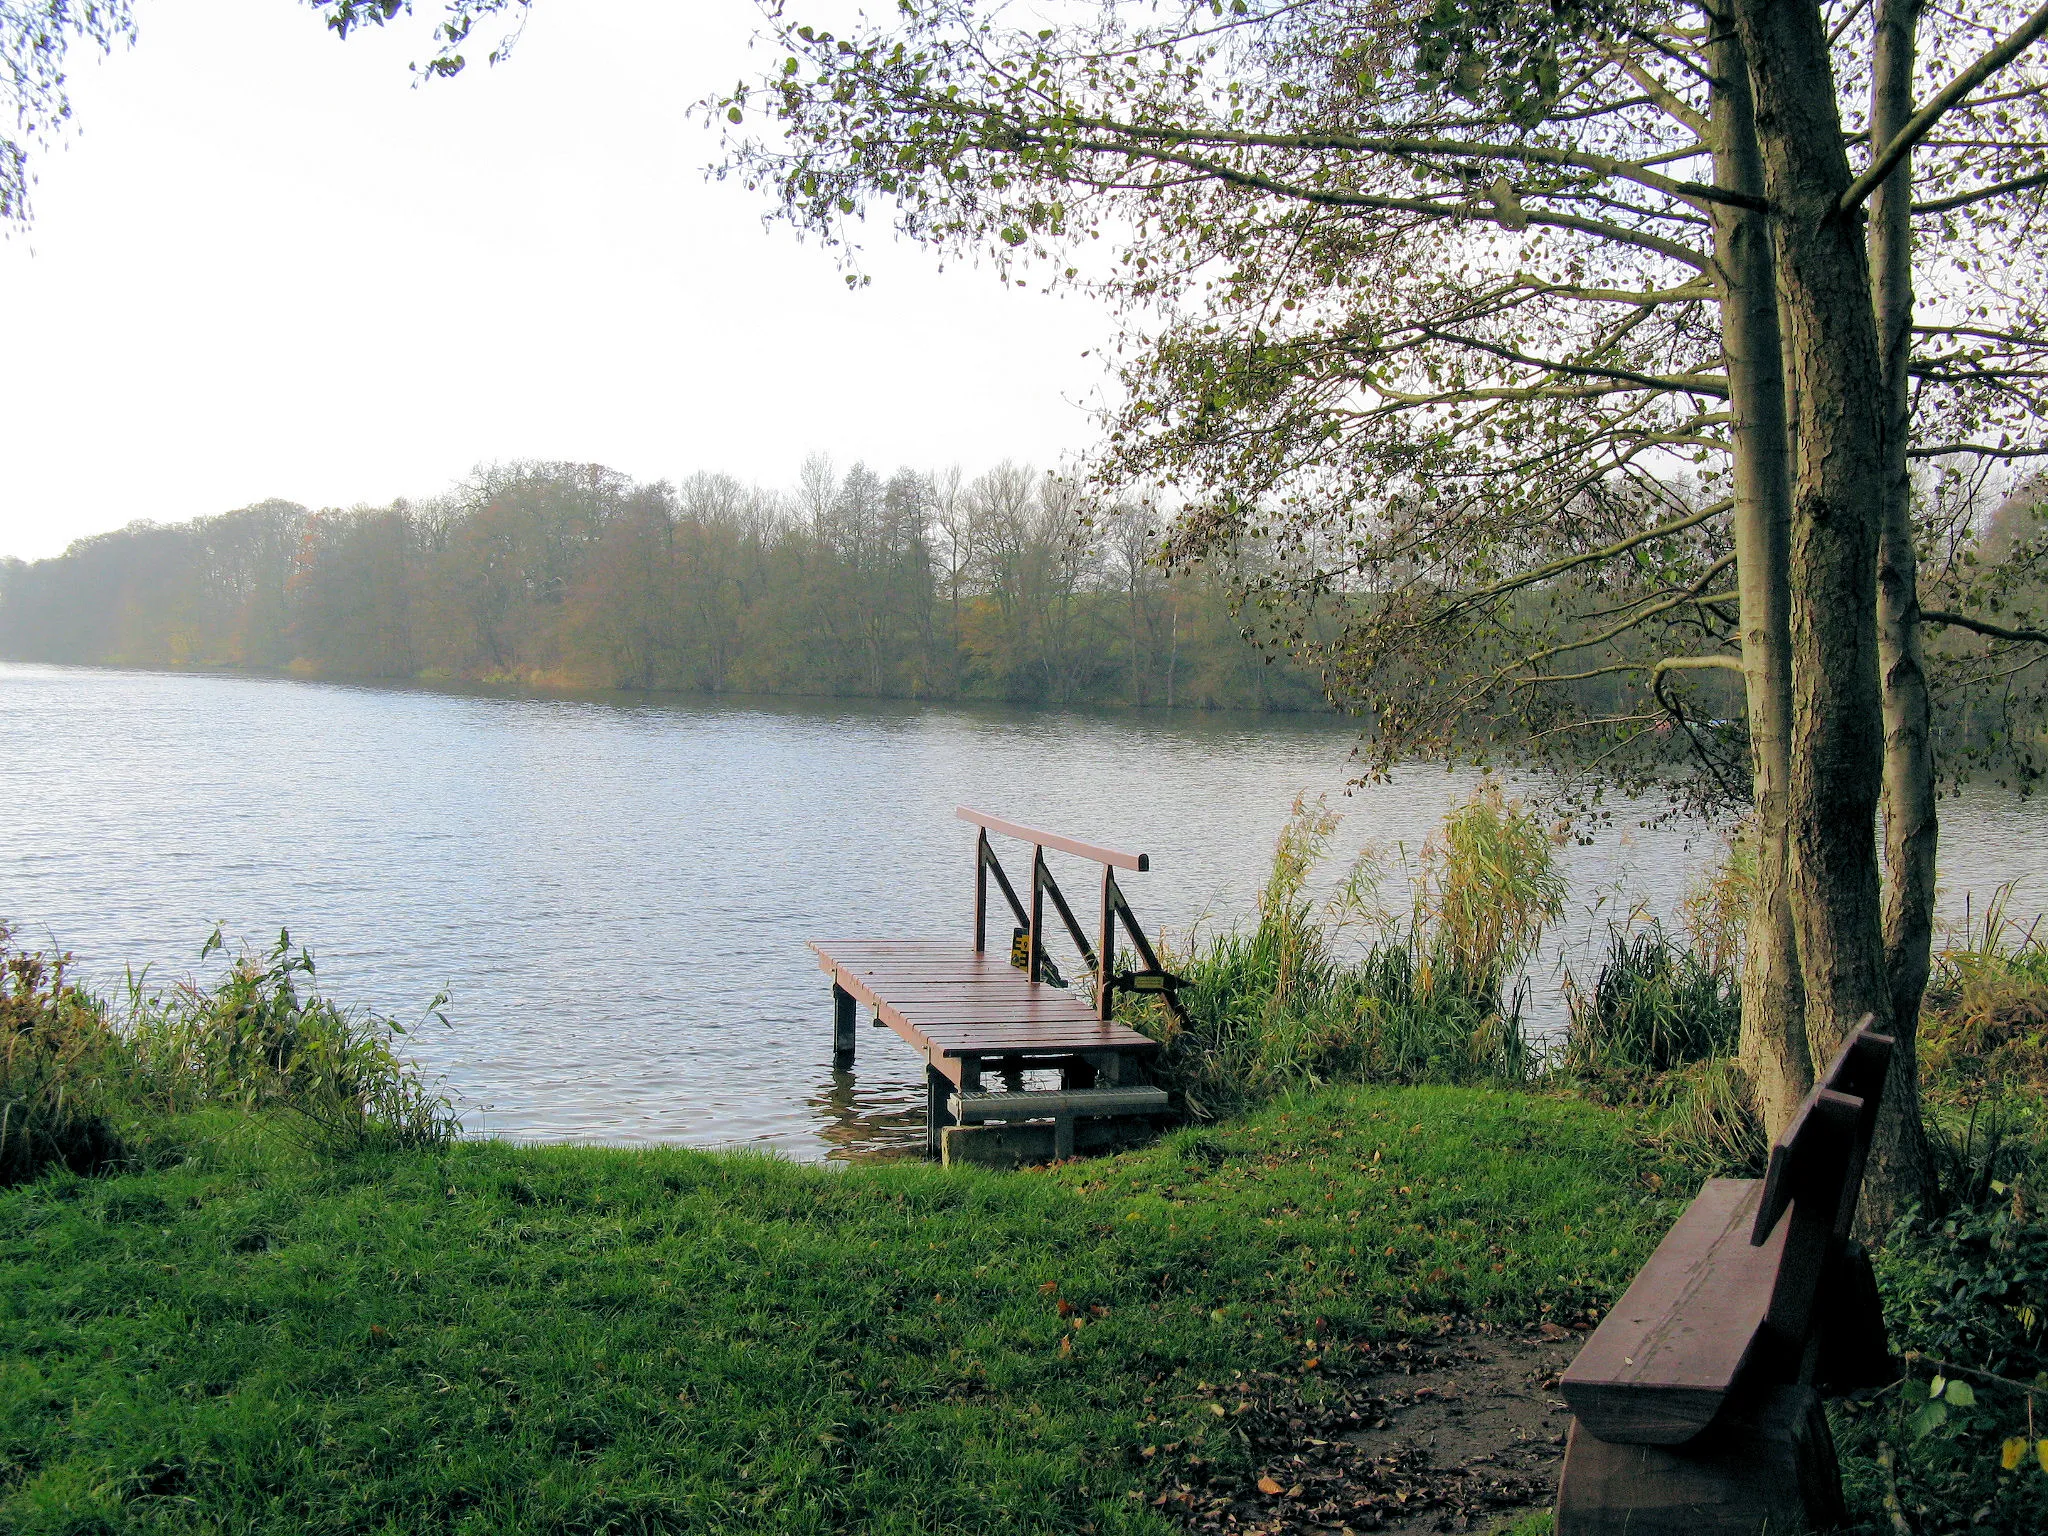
1059	1104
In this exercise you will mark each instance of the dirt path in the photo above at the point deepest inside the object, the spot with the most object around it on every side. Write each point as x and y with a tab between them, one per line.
1464	1434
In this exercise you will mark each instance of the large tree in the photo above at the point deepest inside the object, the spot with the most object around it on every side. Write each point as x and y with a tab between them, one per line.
1559	358
1547	346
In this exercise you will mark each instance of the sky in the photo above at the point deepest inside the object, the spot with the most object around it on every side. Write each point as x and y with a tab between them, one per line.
266	264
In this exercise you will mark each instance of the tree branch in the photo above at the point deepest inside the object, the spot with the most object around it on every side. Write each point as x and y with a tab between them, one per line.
1697	664
1694	384
1983	627
1982	194
1428	207
1982	450
1572	562
1887	159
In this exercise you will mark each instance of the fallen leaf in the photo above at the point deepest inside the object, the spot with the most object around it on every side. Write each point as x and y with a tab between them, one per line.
1066	1307
1066	1343
1049	1287
1267	1485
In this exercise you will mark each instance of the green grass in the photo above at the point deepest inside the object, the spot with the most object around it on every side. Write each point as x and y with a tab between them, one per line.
492	1338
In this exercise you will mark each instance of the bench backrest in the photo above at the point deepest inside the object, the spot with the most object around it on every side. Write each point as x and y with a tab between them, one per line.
1812	1184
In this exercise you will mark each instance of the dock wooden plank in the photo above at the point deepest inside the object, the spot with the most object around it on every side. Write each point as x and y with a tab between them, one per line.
953	1003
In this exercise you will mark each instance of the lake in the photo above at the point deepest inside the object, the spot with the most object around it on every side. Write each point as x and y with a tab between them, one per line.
617	892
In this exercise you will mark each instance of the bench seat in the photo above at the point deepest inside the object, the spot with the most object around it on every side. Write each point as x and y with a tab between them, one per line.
1664	1359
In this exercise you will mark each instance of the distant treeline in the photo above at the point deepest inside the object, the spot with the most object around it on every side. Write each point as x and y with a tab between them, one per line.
570	575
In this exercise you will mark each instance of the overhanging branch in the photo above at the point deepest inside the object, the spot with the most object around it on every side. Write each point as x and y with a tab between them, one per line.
1887	159
1983	627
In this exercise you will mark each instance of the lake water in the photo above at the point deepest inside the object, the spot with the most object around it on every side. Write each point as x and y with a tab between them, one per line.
617	893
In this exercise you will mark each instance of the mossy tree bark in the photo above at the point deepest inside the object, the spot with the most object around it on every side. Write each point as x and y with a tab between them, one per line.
1899	1156
1774	1050
1832	356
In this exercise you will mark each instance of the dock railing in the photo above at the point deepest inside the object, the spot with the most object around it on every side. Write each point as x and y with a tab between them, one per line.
1101	963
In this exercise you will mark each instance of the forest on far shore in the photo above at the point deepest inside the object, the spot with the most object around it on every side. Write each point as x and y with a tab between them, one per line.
574	576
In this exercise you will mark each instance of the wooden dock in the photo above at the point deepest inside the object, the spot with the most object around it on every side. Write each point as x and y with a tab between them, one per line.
973	1013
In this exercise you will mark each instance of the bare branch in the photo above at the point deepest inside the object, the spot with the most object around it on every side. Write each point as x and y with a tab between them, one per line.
1697	664
1982	194
1982	450
1982	626
1917	126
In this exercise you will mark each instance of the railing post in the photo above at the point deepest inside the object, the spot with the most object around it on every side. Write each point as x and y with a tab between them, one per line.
1035	949
1105	964
981	893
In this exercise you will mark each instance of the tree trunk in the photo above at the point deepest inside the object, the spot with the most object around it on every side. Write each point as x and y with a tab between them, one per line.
1899	1161
1773	1051
1832	354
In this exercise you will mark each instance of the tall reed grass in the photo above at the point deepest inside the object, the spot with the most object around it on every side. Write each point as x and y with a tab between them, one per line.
1346	989
90	1085
1984	1052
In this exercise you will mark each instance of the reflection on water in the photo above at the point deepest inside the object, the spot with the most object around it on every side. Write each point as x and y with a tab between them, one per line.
856	1120
618	892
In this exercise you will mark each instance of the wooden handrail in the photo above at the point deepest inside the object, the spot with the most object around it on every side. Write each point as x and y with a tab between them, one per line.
1043	839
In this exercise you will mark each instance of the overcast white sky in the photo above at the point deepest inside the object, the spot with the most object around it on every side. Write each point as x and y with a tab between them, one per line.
266	265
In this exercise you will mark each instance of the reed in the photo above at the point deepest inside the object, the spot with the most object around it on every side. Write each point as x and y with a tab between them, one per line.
1653	1006
1984	1053
1426	993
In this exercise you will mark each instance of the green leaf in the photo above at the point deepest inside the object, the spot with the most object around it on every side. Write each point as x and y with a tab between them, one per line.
1960	1394
1930	1418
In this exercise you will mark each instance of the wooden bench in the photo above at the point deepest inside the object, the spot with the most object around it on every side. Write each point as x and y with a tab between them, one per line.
973	1013
1696	1402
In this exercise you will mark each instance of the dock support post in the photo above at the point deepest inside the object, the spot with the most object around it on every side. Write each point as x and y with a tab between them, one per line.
937	1088
842	1028
1062	1136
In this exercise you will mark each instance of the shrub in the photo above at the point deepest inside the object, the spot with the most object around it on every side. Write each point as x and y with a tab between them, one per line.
56	1052
265	1038
1653	1007
1958	1443
88	1088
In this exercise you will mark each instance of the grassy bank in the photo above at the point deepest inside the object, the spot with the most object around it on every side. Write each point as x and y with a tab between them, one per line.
251	1281
490	1338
